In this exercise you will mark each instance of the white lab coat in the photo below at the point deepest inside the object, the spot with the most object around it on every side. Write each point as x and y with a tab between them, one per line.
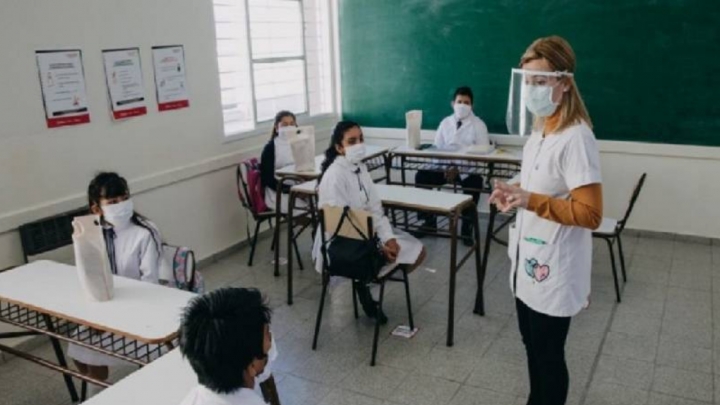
137	256
551	262
472	131
203	396
347	184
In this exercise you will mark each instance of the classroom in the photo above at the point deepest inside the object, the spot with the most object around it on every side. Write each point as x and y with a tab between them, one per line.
359	202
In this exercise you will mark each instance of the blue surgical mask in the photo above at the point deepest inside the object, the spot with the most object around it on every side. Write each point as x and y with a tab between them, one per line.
538	100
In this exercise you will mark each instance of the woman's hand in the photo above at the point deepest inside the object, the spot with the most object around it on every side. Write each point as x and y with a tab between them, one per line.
507	197
391	250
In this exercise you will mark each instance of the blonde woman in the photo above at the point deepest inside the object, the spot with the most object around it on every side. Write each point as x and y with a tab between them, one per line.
559	202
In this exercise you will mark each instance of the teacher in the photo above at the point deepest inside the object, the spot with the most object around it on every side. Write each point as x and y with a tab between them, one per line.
559	203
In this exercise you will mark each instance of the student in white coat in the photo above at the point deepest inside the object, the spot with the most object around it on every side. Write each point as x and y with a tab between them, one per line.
133	245
345	181
460	130
275	155
559	202
225	335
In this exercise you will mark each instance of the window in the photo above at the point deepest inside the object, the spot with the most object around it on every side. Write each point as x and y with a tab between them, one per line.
273	55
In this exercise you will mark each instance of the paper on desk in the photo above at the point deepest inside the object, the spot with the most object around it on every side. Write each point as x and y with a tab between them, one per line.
303	149
413	124
91	258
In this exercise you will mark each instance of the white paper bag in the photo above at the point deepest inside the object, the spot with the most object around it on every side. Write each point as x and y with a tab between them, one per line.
303	149
413	123
91	258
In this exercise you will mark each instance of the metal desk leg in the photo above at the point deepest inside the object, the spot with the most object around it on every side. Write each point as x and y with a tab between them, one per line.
453	273
291	205
489	236
404	183
61	359
278	218
480	295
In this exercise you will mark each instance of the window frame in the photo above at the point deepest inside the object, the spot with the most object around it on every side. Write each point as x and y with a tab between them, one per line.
262	128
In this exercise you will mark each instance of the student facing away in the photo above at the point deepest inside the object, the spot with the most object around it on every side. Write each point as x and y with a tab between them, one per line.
460	130
225	335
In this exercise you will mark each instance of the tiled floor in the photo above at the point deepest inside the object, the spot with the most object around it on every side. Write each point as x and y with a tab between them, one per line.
657	347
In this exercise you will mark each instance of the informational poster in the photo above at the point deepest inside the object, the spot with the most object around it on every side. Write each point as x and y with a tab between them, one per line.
62	81
170	78
125	82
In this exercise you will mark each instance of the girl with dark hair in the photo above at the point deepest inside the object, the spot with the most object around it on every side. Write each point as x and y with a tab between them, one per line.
275	155
345	181
134	251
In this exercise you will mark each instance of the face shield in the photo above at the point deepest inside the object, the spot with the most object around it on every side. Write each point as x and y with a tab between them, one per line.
530	95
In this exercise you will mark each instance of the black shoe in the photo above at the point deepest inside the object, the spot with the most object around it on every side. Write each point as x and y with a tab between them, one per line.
466	235
429	226
369	306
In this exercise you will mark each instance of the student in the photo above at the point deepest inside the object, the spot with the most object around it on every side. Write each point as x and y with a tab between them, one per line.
345	181
559	202
462	129
225	335
134	247
275	155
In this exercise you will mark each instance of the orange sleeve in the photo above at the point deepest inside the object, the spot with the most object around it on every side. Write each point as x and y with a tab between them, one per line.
584	208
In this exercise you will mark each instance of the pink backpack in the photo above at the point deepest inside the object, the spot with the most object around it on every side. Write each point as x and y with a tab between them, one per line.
252	187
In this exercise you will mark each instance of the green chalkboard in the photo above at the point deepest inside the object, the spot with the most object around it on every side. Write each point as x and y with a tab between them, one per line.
649	71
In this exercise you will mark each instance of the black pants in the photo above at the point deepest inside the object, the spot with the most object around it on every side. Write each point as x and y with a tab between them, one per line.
544	338
429	179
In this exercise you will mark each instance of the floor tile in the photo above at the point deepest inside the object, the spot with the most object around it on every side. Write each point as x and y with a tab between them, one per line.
685	384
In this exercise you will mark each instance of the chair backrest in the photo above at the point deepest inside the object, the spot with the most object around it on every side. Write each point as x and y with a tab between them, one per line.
249	186
330	217
48	234
633	200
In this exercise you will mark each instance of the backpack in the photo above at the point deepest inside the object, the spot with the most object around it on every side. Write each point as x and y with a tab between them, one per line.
182	262
253	187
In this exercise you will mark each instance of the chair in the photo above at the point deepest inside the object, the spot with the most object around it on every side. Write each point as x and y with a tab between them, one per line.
610	231
259	217
329	219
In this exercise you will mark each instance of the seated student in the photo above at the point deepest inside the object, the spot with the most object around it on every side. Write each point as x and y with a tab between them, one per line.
345	181
134	247
225	335
460	130
275	155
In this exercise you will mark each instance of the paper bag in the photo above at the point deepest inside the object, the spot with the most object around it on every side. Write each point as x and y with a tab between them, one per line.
303	149
91	258
413	122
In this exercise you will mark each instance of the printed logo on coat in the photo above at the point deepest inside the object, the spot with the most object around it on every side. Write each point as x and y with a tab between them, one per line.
536	271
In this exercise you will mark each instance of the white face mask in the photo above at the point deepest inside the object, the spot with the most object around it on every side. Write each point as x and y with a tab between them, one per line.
355	153
119	214
461	110
538	100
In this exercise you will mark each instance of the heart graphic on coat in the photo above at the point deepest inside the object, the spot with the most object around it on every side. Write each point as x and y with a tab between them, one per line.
536	271
542	272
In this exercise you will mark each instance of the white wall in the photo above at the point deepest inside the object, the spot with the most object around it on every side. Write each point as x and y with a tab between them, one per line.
178	163
679	195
